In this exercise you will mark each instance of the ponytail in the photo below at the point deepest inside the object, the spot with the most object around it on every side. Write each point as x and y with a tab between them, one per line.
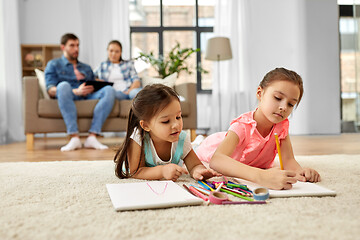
121	157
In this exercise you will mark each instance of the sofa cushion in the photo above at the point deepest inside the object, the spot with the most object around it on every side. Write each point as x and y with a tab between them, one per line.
125	106
168	81
49	108
42	84
185	108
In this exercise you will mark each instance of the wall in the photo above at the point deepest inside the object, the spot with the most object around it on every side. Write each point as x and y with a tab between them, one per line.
298	34
45	21
301	35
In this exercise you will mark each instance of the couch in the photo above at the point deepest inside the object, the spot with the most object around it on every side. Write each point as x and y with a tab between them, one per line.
42	115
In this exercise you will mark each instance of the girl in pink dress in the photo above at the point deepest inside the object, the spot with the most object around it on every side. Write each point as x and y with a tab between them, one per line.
248	149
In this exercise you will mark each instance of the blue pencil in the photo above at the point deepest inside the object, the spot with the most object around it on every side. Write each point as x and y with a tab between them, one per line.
205	186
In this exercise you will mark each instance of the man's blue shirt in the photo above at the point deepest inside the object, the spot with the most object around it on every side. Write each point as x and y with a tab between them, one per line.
60	69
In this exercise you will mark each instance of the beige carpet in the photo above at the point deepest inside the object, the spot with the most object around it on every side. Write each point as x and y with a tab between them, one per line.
68	200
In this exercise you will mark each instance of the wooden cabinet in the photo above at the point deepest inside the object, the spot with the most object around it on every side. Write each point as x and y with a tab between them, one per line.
37	56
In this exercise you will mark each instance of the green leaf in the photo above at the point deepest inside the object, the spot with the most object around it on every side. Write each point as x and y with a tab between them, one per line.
174	62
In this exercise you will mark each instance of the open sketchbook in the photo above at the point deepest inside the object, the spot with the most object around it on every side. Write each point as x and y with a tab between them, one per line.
149	194
299	189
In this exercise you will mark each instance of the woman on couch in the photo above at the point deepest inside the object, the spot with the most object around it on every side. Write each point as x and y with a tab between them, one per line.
121	72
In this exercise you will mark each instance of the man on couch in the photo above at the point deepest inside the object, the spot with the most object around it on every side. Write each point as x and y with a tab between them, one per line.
65	78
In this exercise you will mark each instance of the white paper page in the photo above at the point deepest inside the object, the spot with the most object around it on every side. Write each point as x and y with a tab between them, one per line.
299	189
150	194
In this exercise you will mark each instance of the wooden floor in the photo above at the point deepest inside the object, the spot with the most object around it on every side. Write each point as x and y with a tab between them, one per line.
48	149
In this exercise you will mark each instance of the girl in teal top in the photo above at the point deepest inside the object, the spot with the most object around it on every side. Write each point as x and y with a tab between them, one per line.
155	145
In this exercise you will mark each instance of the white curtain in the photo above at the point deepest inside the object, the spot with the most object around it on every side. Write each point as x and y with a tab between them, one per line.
11	120
233	88
101	22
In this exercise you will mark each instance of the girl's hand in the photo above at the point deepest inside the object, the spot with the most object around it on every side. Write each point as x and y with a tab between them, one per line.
309	175
172	171
277	179
202	173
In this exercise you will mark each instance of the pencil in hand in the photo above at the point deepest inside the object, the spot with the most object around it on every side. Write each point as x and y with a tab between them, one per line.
279	151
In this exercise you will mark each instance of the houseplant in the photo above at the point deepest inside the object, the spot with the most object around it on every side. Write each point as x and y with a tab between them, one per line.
174	62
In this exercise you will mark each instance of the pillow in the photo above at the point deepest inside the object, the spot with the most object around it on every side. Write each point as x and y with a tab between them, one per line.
41	77
168	81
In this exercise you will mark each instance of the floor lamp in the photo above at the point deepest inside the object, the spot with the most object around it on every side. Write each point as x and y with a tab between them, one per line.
218	49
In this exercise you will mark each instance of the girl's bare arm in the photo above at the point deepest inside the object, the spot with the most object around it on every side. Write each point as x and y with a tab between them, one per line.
223	163
169	171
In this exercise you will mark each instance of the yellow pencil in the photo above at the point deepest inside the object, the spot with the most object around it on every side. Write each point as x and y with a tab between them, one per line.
278	149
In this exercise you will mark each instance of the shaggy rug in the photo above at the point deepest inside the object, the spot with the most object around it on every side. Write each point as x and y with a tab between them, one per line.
69	200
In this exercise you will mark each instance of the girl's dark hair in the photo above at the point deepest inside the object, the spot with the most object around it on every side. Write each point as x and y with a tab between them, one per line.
285	75
147	103
117	43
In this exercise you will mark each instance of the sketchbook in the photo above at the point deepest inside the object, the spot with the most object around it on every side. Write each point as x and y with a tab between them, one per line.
299	189
149	194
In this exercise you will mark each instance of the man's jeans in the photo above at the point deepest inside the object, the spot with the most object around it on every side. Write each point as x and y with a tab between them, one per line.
66	98
119	95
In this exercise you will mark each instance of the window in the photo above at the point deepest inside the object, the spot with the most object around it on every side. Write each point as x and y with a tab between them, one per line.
156	26
350	67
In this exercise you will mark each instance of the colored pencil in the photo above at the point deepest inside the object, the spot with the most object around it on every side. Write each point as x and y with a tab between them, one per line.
186	187
245	194
225	180
218	188
202	190
203	184
211	189
236	194
244	187
278	149
199	194
249	192
243	202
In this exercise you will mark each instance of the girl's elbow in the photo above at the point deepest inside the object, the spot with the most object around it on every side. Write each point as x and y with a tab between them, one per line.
213	162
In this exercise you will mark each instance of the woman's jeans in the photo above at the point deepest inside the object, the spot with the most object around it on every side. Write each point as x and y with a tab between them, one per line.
123	96
66	98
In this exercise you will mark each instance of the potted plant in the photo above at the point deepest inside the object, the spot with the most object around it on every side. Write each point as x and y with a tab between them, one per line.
171	65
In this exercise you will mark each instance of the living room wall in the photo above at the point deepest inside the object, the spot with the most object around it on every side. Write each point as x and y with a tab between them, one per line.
314	54
303	36
45	21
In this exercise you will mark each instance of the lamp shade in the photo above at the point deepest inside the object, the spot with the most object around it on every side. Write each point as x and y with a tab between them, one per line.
218	48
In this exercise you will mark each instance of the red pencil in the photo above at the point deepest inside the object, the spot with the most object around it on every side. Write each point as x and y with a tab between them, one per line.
199	194
186	187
